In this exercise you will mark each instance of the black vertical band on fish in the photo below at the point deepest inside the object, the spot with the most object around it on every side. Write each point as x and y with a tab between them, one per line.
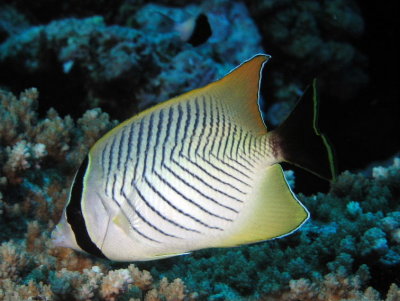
74	214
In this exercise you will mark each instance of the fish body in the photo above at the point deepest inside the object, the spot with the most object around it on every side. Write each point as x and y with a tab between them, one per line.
198	171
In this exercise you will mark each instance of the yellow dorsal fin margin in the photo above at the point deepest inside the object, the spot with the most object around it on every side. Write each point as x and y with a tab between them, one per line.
239	92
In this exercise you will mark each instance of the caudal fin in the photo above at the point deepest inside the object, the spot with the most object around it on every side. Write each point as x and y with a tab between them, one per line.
299	140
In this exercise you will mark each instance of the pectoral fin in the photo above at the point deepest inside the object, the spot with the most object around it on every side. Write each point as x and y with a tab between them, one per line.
122	222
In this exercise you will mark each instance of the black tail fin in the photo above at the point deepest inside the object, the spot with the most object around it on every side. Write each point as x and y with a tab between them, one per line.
299	140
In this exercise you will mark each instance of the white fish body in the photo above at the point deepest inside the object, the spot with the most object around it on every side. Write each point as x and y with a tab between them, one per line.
195	172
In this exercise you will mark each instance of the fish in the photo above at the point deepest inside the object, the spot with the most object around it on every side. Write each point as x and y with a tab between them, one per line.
198	171
195	30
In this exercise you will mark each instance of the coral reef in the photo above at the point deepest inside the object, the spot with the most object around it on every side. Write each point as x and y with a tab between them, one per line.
115	65
354	226
39	157
336	287
11	21
23	276
351	242
140	60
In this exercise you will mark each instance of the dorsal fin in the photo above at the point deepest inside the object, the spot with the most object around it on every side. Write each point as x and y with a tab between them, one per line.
239	92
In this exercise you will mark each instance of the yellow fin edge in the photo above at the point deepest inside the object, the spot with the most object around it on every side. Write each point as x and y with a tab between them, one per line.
239	90
275	211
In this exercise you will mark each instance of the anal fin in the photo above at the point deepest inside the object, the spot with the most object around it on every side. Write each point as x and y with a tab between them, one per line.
272	212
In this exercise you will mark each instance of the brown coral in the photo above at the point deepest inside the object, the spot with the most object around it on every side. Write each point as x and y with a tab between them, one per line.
335	287
28	140
141	279
12	260
11	291
38	159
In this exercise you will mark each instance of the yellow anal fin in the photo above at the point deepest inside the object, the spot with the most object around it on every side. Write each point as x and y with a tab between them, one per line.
274	212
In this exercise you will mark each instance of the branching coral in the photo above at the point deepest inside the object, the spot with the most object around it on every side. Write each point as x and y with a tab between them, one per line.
30	147
336	286
355	225
114	283
33	269
13	261
64	275
11	291
37	155
173	291
353	228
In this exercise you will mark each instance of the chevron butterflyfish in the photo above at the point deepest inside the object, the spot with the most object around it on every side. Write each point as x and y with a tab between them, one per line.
198	171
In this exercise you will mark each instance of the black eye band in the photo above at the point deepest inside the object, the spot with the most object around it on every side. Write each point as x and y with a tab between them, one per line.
75	217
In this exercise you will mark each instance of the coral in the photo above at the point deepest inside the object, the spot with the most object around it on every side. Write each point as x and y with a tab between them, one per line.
114	283
331	287
53	275
173	291
30	146
141	279
32	197
11	21
352	228
33	269
10	291
314	38
311	22
116	66
335	286
141	60
13	261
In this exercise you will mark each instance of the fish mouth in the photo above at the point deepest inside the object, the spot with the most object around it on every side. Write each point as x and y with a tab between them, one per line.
63	236
57	237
